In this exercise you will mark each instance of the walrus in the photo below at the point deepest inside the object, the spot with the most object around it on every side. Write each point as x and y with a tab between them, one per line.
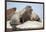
24	15
10	12
29	15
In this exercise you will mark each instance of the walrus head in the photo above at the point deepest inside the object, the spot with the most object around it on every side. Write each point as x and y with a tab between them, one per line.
26	15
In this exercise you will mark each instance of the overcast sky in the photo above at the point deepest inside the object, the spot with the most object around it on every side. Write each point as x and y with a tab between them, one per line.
37	8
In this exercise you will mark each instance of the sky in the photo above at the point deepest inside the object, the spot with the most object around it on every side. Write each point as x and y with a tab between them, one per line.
37	8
